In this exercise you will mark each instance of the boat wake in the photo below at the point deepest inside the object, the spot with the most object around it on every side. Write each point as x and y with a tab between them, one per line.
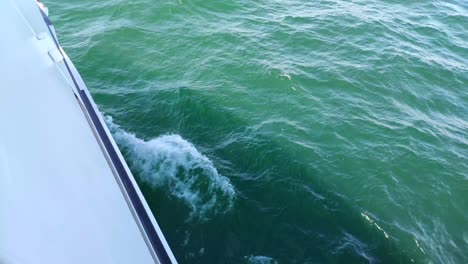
175	165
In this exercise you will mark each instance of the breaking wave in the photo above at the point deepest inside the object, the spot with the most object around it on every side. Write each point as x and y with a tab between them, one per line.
171	162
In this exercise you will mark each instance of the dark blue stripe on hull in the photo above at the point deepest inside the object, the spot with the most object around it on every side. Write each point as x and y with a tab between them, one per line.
135	199
145	220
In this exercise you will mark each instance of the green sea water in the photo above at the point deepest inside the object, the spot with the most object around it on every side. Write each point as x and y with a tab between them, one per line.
287	131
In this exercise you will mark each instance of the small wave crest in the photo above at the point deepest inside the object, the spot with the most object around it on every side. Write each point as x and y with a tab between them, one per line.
171	162
260	260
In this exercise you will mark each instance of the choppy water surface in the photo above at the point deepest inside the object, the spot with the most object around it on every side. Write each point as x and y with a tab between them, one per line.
291	131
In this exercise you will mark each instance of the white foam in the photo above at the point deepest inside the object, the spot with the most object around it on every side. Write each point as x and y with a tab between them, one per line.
174	164
260	260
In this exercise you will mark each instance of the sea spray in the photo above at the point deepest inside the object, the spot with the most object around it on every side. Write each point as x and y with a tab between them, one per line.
171	163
